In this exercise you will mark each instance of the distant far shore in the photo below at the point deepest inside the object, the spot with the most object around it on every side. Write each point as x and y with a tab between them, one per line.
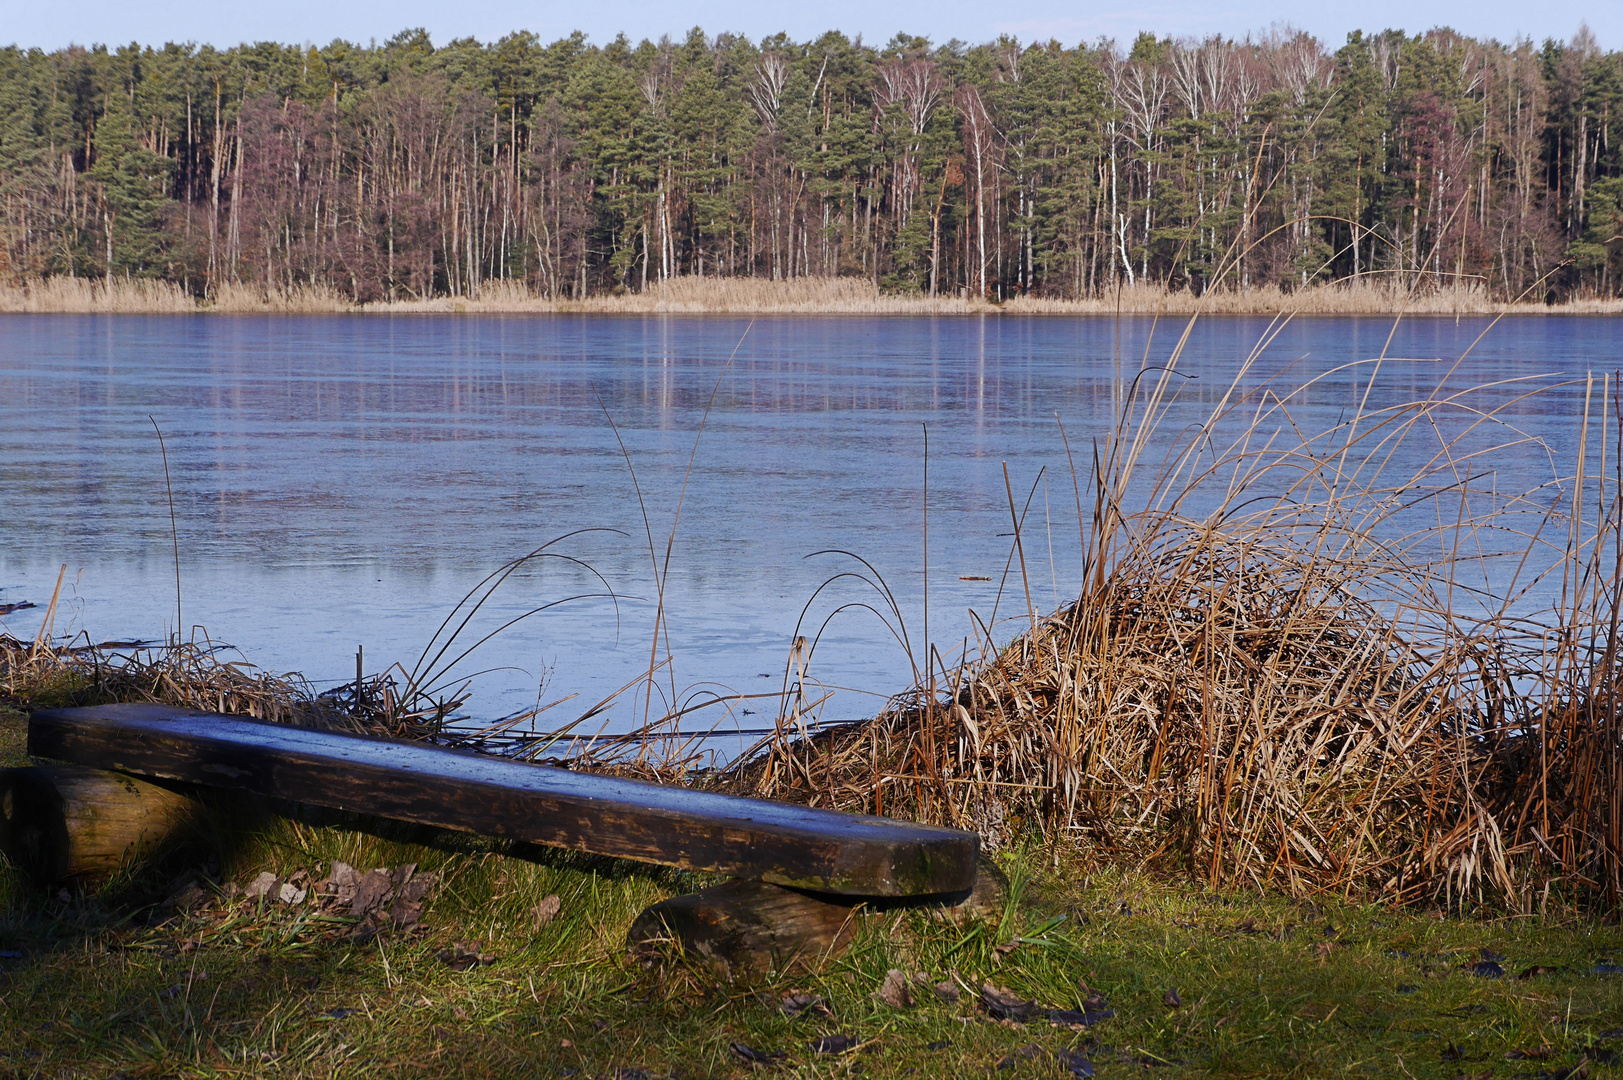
801	296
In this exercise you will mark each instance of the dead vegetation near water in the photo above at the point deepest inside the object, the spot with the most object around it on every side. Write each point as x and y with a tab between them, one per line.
205	676
1413	294
36	675
1279	674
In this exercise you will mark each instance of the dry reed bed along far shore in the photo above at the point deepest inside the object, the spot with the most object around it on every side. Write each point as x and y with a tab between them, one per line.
752	296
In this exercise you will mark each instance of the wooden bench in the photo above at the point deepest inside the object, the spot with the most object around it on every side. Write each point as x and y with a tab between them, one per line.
787	851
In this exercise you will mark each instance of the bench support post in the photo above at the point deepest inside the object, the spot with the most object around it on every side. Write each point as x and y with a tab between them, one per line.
744	929
66	822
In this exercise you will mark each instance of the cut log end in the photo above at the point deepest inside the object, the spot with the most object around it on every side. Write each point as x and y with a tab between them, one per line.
744	929
69	823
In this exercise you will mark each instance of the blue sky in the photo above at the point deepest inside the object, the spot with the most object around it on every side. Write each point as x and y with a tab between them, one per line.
54	24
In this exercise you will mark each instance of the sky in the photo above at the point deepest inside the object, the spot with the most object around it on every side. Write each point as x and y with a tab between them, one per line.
52	25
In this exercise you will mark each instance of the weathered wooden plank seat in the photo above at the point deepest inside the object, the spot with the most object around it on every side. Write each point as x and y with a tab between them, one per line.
795	863
780	843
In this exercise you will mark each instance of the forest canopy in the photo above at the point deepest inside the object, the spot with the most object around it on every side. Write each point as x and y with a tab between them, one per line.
404	170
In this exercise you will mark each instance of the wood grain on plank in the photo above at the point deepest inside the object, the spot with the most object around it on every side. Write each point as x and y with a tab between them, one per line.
748	838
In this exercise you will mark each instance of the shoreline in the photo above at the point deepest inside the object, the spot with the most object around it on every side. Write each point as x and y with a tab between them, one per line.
749	296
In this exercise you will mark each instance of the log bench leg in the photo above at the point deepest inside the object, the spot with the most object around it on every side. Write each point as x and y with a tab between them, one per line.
66	822
743	929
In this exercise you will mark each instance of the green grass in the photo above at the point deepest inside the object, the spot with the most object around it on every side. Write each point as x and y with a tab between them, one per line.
114	983
13	737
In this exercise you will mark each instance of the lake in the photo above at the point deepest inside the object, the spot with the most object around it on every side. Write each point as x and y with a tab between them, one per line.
343	481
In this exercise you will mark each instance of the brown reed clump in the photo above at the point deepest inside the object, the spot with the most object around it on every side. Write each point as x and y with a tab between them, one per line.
1219	701
200	675
1283	691
44	675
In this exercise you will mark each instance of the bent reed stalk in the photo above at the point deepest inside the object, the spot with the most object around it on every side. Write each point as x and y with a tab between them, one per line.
1284	690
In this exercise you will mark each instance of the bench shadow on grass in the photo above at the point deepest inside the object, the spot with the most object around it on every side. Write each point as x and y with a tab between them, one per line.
167	963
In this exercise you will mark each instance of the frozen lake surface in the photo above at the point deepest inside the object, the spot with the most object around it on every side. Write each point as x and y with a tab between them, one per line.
343	481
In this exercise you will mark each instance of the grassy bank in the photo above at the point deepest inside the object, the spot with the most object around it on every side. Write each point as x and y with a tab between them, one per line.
801	296
170	972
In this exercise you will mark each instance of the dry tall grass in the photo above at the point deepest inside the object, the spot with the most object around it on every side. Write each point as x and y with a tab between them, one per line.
201	675
190	676
702	296
238	299
851	296
1361	296
800	296
1287	689
81	296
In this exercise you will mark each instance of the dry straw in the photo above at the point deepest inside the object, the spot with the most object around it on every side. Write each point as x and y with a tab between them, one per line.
1368	295
190	675
61	295
208	676
1300	686
236	298
201	674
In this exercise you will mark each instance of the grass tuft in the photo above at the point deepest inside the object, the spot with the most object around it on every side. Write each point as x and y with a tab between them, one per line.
197	675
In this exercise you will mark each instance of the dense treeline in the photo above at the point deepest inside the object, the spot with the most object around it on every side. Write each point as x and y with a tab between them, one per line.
403	170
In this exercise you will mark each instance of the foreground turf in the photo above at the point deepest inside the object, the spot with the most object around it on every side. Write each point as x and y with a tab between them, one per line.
166	973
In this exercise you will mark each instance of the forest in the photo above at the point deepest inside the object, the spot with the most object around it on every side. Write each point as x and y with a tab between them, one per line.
403	170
